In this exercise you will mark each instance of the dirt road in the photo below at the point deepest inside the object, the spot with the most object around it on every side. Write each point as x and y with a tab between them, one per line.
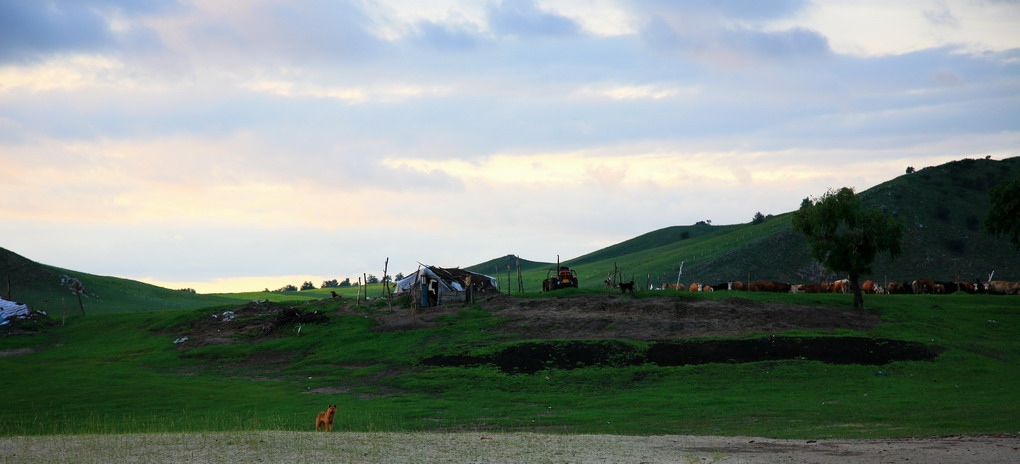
514	448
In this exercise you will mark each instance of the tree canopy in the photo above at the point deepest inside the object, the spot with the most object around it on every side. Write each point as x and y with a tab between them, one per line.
1004	215
844	236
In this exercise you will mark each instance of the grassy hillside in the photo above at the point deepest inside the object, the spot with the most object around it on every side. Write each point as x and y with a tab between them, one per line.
941	206
40	287
119	373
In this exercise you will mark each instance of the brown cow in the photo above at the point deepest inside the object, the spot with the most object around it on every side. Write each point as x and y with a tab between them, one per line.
841	286
999	287
695	287
738	286
922	286
868	287
677	287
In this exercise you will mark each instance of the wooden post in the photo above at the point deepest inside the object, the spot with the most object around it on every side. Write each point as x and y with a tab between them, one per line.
386	283
64	304
520	279
359	291
507	278
648	280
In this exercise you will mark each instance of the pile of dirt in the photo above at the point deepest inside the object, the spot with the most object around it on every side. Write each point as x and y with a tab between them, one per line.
255	321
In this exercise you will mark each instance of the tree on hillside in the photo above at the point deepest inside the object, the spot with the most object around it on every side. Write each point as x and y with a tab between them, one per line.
307	286
333	283
1004	215
845	237
345	283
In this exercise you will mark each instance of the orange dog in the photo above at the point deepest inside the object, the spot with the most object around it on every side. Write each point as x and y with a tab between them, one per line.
324	421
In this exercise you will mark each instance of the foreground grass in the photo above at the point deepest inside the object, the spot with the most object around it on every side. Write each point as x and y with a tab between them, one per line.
113	374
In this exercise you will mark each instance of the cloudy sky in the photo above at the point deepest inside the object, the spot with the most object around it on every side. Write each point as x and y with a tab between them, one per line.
238	145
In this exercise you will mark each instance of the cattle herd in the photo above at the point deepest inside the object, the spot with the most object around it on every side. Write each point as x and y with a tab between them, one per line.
916	287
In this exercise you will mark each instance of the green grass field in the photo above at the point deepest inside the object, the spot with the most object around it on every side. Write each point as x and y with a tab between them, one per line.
120	373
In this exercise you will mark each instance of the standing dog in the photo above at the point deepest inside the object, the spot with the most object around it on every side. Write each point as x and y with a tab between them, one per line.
324	421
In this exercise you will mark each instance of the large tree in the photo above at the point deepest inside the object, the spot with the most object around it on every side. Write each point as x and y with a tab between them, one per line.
845	237
1004	215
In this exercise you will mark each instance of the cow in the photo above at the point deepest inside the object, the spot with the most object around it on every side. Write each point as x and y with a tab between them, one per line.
695	287
967	287
1000	287
868	287
721	287
738	286
677	287
841	286
922	286
896	288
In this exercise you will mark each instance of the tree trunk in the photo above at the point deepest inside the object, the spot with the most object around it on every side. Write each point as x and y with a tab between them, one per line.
858	295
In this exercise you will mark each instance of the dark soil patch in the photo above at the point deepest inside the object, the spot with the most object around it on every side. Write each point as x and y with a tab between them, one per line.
596	317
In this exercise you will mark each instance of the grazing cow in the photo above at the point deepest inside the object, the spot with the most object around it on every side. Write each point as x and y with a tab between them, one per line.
967	287
841	286
922	286
627	287
720	287
738	286
868	287
999	287
695	287
677	287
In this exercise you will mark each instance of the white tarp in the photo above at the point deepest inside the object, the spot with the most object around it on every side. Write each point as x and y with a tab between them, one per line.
9	309
448	282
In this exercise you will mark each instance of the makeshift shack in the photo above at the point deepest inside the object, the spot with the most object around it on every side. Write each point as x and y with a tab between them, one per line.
434	286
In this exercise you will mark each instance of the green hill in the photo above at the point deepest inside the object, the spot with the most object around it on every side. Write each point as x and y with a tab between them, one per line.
40	286
942	207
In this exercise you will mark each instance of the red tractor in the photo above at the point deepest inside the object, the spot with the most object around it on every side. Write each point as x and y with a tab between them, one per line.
564	278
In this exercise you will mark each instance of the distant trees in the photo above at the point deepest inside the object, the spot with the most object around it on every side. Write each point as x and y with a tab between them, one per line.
400	276
330	284
186	290
910	169
707	222
759	218
1004	216
372	279
286	288
345	283
844	237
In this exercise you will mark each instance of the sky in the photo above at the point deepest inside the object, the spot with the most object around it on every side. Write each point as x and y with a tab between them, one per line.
237	145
